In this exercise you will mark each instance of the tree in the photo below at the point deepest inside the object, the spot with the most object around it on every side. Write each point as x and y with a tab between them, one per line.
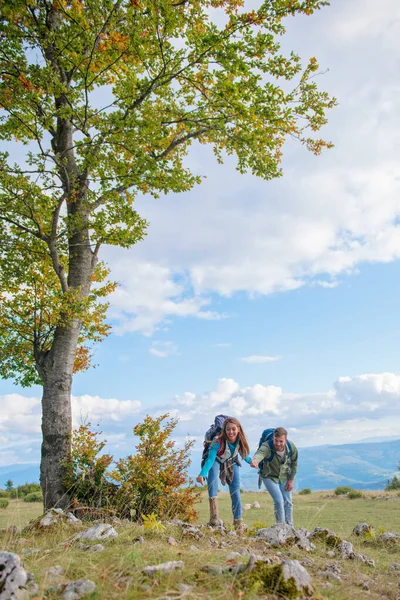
103	99
9	485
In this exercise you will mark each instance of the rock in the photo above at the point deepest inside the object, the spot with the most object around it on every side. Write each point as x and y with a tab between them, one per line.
288	579
29	552
163	567
31	585
138	540
55	571
256	505
102	531
13	578
246	507
330	553
346	549
328	537
53	516
21	541
232	533
278	535
394	567
193	532
193	548
364	558
329	575
172	541
233	556
390	537
212	569
92	548
73	519
74	590
362	529
184	589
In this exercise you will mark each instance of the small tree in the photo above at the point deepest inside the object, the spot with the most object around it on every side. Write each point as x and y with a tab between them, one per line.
394	483
9	485
155	479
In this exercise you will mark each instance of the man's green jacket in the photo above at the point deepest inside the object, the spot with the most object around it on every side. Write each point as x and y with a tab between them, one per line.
276	469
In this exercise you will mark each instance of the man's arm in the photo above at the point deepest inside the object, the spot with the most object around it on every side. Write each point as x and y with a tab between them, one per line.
264	451
293	471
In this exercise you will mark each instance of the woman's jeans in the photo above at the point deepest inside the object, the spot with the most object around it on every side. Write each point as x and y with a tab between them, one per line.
283	506
234	488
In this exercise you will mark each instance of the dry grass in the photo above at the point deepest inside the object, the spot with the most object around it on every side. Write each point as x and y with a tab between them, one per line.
117	570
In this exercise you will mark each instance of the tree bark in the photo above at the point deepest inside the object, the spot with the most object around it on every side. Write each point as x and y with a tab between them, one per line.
56	374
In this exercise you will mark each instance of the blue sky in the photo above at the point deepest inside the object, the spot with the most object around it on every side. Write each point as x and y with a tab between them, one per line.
300	277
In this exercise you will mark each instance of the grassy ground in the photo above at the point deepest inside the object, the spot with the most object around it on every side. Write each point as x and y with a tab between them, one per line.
117	570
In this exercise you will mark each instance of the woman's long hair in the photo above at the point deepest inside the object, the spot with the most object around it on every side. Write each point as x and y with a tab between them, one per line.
244	448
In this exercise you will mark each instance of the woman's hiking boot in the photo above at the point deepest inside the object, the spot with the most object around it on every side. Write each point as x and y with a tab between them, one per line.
240	526
214	521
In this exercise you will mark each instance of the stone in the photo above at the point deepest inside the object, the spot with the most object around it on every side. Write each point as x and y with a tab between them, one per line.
394	567
167	567
31	585
102	531
288	579
324	535
53	516
256	505
73	519
362	529
278	535
329	575
364	558
346	549
139	540
193	548
55	571
92	547
233	556
330	553
172	541
390	537
184	589
246	507
74	590
29	552
13	577
193	532
212	569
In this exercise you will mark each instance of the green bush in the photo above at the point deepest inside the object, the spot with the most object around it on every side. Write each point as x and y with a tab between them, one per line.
33	497
23	490
393	484
304	492
3	503
342	489
355	494
4	494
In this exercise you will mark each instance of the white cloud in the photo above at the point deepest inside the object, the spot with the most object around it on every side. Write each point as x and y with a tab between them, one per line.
163	349
257	359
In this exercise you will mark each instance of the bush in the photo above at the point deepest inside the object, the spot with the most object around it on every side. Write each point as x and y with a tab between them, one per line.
23	490
152	482
3	503
355	494
4	494
342	489
155	479
304	492
393	484
33	497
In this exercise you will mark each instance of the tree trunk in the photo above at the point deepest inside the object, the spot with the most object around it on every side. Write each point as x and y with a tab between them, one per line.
56	374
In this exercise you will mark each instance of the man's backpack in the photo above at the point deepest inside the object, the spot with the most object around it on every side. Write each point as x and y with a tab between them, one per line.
268	436
211	434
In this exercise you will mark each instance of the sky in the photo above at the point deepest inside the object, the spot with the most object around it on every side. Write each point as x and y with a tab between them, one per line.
275	302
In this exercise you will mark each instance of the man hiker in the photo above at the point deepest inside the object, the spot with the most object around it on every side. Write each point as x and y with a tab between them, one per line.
278	470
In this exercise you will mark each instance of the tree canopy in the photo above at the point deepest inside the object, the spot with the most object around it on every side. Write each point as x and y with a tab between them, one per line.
103	99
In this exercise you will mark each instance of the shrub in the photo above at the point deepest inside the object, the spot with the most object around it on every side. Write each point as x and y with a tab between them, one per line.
393	484
24	490
4	494
305	491
33	497
3	503
155	479
342	489
355	494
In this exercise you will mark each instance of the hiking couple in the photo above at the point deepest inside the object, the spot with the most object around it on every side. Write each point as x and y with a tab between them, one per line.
276	457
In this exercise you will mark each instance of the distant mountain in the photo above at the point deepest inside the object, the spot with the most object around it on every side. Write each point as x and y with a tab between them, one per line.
364	466
19	474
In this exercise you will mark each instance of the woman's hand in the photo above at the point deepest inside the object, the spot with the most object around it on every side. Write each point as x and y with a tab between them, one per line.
200	479
254	464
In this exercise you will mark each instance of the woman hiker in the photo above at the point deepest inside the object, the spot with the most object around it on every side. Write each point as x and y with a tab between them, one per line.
222	460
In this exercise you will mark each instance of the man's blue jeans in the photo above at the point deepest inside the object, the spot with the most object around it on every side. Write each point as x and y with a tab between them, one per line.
234	488
283	505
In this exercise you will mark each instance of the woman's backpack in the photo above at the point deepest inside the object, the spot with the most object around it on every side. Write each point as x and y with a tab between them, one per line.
212	434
